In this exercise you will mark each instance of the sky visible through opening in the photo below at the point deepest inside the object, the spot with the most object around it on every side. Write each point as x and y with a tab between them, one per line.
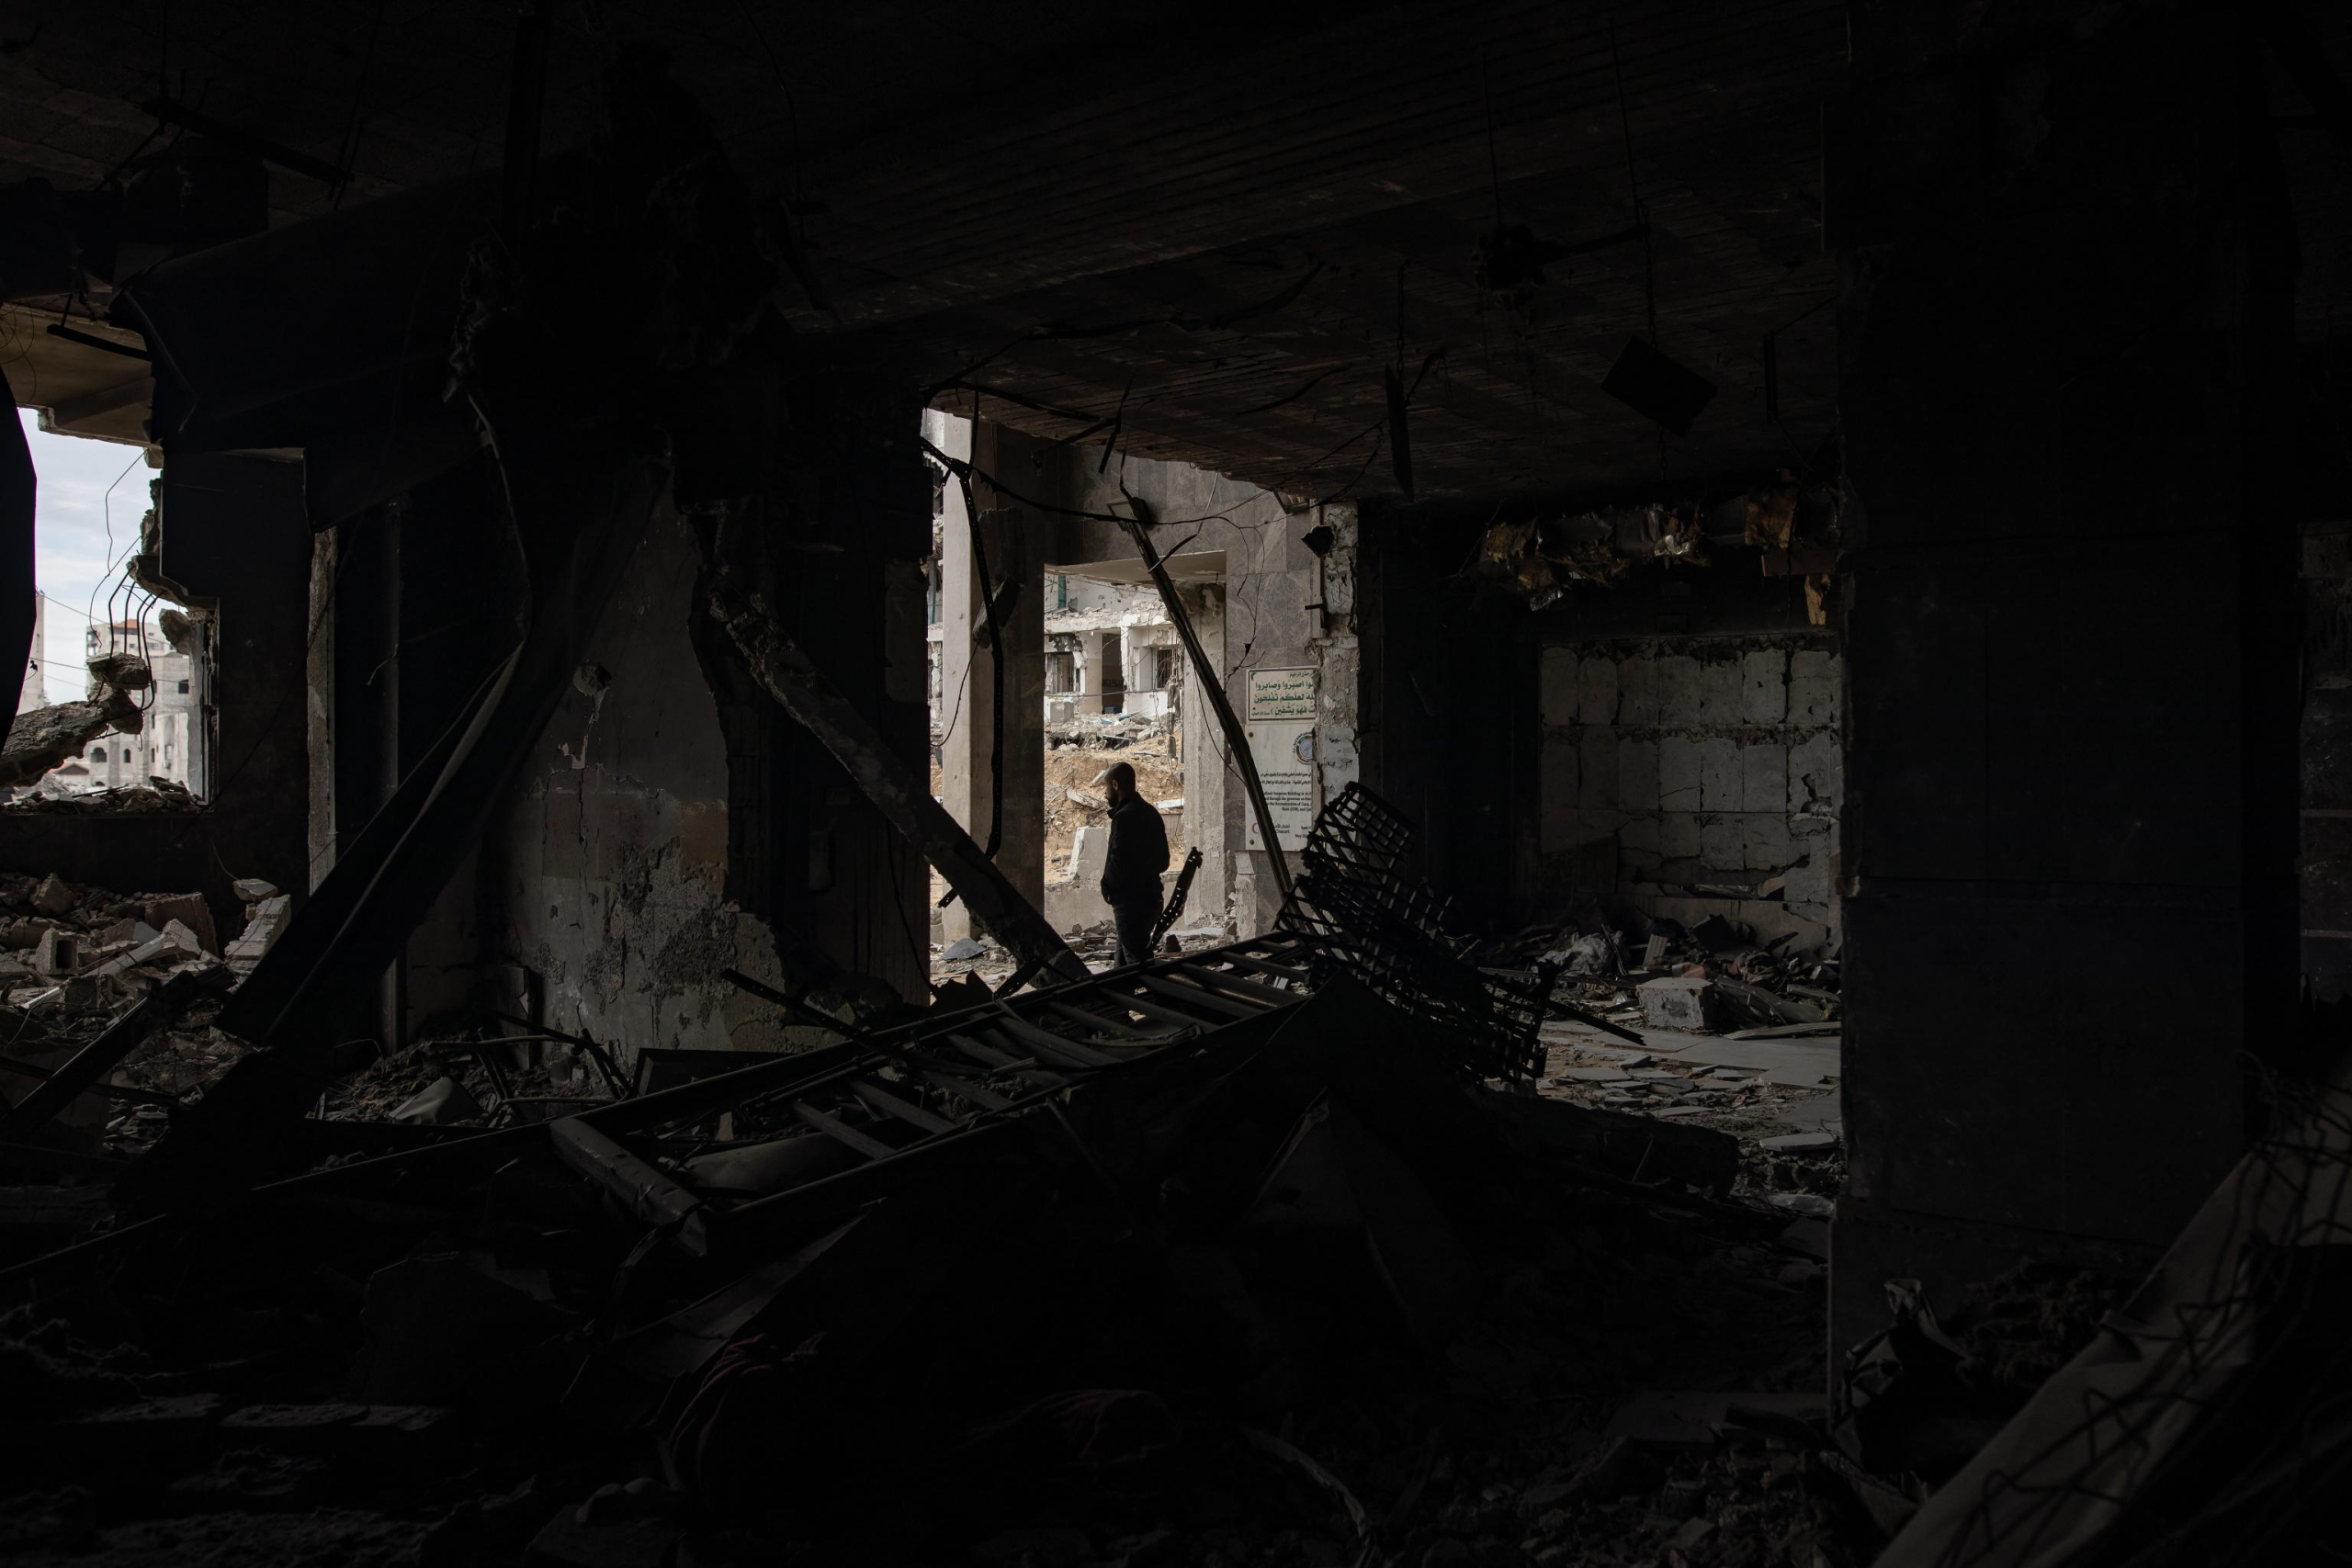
81	535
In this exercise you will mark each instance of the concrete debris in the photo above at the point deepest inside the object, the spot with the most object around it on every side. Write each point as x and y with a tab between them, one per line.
1675	1003
122	669
42	737
52	897
511	1267
265	916
1307	1149
157	796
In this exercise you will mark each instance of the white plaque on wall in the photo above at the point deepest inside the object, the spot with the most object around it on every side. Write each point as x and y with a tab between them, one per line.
1284	753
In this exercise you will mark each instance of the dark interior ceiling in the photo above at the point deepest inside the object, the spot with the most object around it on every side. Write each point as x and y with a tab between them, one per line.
1219	222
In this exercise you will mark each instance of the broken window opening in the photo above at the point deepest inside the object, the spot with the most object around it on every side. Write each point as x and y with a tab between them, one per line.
113	661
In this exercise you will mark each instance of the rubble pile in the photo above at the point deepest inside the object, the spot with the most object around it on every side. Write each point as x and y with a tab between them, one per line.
156	796
1109	731
1329	1247
482	1074
1286	1289
117	991
73	956
1228	1259
1074	797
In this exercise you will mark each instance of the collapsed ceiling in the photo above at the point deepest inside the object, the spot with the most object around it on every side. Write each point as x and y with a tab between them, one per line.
1280	245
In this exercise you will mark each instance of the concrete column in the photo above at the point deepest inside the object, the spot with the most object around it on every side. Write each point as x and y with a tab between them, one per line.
2070	635
1207	776
966	686
1089	672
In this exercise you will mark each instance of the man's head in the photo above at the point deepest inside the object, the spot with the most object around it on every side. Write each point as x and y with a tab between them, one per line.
1119	783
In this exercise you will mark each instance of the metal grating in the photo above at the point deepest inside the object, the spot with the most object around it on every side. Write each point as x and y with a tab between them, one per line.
1364	919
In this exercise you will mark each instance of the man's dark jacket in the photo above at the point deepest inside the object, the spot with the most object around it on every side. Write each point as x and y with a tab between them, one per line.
1138	852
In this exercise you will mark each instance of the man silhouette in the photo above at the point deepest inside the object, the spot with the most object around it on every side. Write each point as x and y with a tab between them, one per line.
1131	871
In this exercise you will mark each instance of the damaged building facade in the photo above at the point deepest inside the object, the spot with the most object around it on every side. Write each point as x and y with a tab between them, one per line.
1733	621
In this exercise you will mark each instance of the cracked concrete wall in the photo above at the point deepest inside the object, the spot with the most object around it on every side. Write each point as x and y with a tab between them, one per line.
609	873
1671	762
1282	606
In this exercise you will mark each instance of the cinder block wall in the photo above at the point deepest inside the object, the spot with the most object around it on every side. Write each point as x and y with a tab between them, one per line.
1676	760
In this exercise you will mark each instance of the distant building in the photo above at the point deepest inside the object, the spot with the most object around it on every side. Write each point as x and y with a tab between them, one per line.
163	747
1109	650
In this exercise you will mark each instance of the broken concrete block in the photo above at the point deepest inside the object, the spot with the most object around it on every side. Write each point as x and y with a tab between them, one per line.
191	910
1674	1003
252	889
42	737
185	940
143	953
122	669
962	948
264	920
52	897
1799	1141
58	952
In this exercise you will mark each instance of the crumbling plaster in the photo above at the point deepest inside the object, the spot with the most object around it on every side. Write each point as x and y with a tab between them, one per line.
1680	761
611	865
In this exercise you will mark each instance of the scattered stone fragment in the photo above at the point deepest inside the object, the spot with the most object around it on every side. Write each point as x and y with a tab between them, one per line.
53	897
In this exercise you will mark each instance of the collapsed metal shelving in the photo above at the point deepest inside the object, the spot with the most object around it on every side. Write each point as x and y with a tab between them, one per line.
1359	916
884	1108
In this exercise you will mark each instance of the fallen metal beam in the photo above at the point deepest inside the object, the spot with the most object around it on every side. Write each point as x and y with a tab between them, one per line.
157	1009
1212	685
643	1191
902	796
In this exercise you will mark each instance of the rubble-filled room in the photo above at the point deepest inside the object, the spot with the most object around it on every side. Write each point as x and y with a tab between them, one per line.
985	783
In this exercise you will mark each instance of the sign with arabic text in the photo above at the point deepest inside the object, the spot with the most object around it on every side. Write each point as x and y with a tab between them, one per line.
1279	696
